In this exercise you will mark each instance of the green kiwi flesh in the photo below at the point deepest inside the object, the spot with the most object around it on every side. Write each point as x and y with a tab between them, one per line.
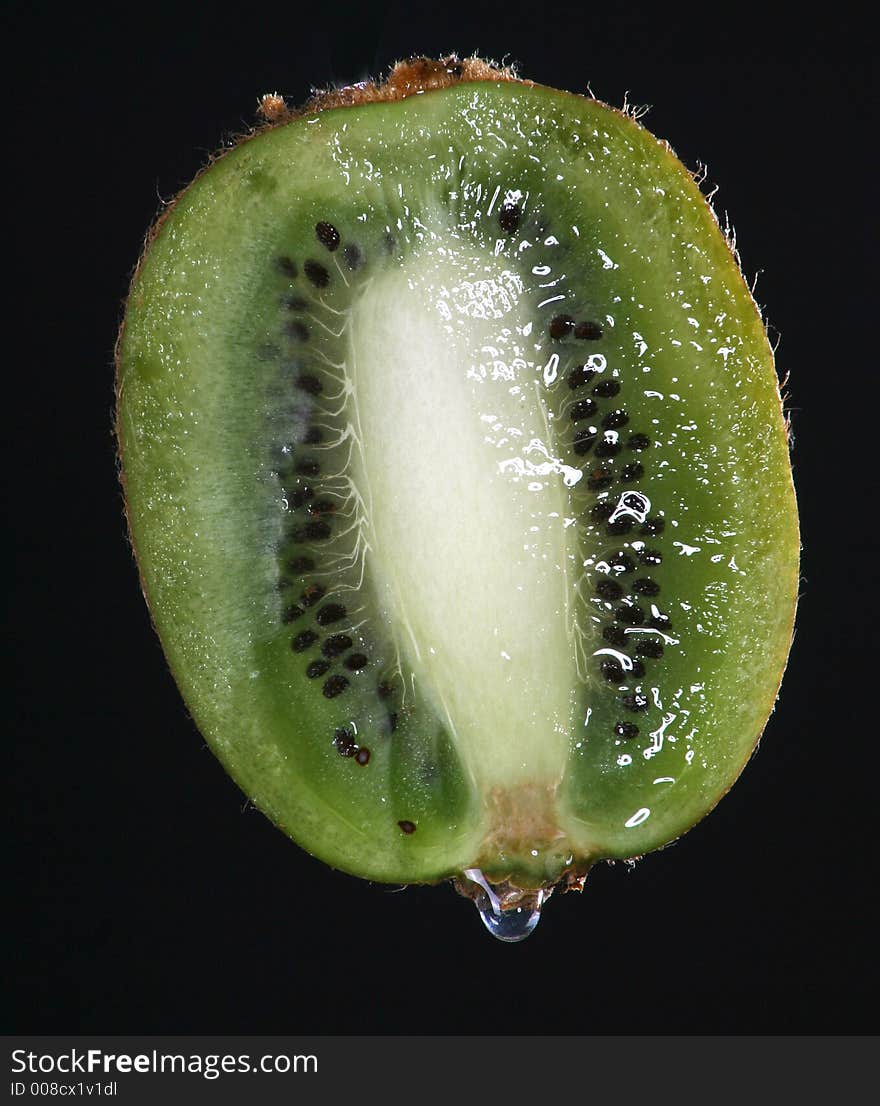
458	479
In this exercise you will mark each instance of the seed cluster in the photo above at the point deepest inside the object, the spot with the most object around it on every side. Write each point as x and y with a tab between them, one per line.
318	276
601	430
322	638
623	594
604	437
346	746
563	326
323	635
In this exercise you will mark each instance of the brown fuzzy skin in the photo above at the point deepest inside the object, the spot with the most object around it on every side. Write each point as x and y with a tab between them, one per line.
407	78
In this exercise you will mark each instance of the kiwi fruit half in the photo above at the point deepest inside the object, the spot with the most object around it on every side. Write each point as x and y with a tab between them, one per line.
458	480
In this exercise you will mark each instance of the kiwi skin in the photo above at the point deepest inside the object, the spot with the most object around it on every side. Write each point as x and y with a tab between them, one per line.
417	77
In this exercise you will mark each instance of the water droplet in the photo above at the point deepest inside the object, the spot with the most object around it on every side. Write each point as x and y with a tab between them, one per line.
508	915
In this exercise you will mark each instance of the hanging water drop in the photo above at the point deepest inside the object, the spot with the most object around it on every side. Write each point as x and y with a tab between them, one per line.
509	914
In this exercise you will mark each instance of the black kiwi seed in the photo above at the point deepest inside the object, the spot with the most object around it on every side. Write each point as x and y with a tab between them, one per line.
317	274
600	478
406	826
328	235
638	441
599	512
621	525
297	330
633	471
583	441
630	616
650	556
650	648
313	436
614	635
333	612
353	258
638	670
285	266
660	621
299	496
317	668
301	564
345	743
509	217
582	409
635	702
653	525
303	641
590	332
334	686
611	670
310	384
317	530
560	326
321	507
622	561
606	388
626	729
336	644
307	466
356	661
362	756
609	589
313	594
580	376
392	722
607	449
383	690
615	419
646	586
291	614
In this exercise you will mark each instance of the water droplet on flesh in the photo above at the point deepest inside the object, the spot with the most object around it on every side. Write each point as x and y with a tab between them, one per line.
515	922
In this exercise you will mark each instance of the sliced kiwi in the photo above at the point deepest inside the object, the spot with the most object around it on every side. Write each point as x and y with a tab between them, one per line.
458	480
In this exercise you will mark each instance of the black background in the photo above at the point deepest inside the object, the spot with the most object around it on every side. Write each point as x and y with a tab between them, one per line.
145	897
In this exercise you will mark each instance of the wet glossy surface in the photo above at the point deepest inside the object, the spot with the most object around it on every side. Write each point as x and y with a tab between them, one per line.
593	423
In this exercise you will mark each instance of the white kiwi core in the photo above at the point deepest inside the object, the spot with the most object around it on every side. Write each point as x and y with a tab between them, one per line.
470	540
